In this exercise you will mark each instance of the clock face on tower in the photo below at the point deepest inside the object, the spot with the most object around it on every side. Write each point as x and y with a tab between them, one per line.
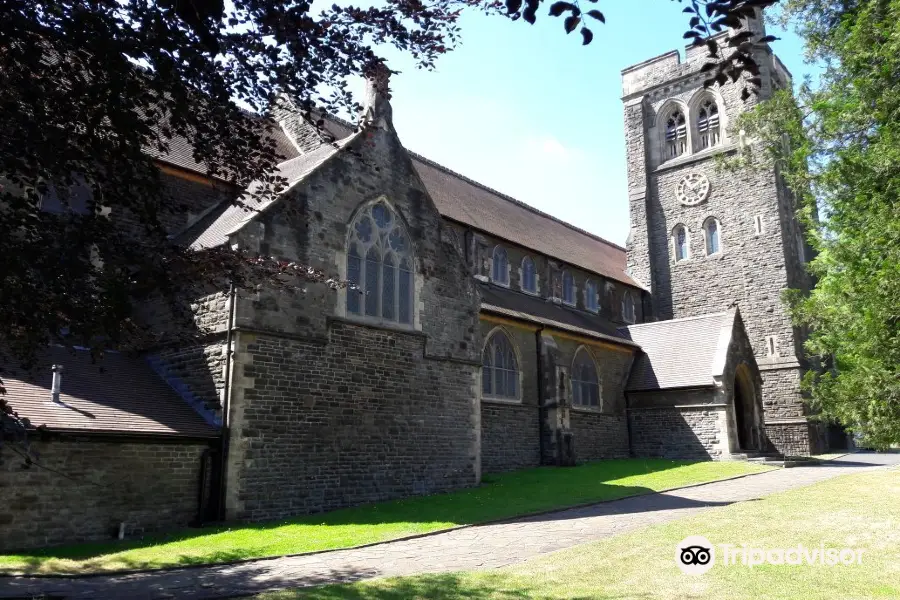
692	189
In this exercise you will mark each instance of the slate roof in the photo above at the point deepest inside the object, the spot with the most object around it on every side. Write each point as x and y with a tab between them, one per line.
521	306
465	201
231	217
678	353
118	394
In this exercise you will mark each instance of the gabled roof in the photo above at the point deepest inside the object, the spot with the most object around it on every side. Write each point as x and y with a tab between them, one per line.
232	216
534	309
457	198
680	353
118	394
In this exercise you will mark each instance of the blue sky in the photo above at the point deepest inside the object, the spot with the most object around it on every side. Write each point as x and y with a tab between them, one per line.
529	111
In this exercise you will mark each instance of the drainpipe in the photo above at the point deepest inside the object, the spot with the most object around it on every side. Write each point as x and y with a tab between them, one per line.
226	403
540	393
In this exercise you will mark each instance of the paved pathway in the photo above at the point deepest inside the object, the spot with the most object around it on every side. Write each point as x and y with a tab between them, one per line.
482	547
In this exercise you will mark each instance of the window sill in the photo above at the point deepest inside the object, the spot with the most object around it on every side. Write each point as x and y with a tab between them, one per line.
376	324
499	400
589	409
696	157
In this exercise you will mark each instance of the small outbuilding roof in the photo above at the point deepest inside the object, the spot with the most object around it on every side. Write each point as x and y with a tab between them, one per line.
117	394
680	353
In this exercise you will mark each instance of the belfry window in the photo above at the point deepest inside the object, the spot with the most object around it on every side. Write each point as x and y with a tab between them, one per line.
380	267
708	130
585	382
676	135
500	370
680	240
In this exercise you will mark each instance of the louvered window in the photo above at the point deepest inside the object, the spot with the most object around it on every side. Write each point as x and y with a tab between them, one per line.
708	125
676	135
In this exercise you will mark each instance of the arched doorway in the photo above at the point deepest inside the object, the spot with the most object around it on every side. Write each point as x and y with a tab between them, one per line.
744	408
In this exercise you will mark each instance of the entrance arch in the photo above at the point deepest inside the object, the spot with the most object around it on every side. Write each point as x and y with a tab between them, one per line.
744	408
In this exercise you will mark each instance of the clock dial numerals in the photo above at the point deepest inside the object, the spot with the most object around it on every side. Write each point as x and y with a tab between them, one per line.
693	189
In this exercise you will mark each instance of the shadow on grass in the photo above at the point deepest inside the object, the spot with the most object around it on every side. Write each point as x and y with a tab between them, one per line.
499	497
448	586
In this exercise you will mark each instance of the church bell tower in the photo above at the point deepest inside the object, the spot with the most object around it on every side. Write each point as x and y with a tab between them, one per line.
703	239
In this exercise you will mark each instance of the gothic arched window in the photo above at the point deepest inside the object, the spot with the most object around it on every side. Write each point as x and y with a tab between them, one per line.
500	371
500	267
680	239
708	129
590	296
585	382
628	308
711	233
529	276
568	288
676	134
380	266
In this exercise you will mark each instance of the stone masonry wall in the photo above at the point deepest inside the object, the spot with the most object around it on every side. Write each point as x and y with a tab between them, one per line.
510	429
150	486
602	432
598	436
332	409
361	418
509	436
687	433
197	373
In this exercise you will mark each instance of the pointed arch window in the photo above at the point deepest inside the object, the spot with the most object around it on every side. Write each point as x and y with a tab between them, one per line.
590	296
500	266
676	134
568	288
380	267
585	381
711	234
680	239
529	276
628	308
708	127
500	370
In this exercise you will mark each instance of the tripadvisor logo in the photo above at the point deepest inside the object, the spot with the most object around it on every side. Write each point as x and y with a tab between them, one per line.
695	555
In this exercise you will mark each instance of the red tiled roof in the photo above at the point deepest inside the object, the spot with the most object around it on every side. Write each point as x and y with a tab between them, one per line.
117	394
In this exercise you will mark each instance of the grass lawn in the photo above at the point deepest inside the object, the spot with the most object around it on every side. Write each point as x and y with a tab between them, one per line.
499	497
855	511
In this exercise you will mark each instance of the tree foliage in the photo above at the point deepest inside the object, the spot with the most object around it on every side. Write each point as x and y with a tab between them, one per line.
93	90
838	146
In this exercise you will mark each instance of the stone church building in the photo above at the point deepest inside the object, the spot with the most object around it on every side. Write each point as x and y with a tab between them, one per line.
480	335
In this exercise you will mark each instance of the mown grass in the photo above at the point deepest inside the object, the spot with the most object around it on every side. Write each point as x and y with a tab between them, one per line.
499	497
855	511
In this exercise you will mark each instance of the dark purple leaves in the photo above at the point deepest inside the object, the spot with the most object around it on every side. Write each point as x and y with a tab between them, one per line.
558	8
586	35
